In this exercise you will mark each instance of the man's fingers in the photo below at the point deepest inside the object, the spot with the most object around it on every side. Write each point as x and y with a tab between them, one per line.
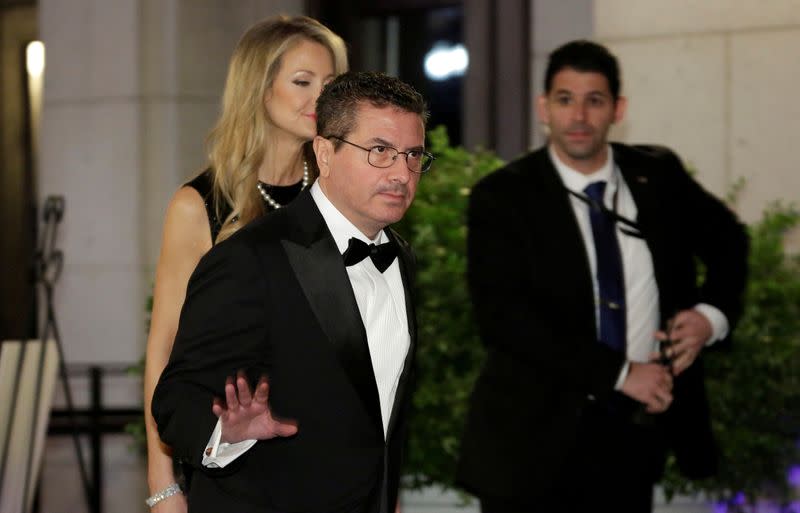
654	407
683	356
659	401
287	427
230	395
217	408
681	345
678	326
653	404
244	390
285	430
682	363
663	396
681	349
680	319
691	324
658	389
674	348
262	391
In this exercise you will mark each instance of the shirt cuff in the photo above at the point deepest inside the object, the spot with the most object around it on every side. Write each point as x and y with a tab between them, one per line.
622	375
719	323
218	454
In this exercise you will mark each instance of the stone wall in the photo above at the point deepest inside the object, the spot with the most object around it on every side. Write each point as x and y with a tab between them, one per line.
715	80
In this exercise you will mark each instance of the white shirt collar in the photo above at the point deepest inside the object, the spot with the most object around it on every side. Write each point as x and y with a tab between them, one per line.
340	227
577	181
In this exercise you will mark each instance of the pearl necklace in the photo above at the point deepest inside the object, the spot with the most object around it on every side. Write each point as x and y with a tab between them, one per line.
271	202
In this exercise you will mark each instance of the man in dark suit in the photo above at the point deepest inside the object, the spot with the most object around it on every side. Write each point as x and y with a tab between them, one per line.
582	256
307	344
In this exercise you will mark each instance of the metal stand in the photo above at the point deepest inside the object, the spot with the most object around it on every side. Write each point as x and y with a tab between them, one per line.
48	263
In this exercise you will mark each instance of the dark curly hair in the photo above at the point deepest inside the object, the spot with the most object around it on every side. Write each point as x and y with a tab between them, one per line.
338	103
584	56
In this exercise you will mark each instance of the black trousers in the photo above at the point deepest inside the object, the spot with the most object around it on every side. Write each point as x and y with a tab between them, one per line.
613	467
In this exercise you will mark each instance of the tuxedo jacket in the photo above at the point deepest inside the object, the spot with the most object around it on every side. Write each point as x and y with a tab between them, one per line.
532	292
275	299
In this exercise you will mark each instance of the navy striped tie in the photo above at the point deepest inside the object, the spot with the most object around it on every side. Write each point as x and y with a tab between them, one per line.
610	278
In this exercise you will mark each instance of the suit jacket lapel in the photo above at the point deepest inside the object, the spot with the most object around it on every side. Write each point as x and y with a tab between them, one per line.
555	208
319	269
640	181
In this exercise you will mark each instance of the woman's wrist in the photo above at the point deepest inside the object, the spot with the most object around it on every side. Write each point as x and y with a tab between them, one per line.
165	493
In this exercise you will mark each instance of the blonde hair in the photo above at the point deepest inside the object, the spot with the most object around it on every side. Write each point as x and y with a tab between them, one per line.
236	143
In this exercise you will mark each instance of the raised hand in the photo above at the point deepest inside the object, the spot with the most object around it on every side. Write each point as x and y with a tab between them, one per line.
246	416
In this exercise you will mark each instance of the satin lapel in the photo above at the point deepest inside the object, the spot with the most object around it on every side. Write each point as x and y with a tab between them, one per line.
320	271
407	268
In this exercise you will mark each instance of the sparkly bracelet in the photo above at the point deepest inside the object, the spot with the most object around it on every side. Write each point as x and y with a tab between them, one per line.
163	494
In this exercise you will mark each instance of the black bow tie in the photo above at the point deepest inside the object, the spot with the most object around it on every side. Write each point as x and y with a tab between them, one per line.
382	255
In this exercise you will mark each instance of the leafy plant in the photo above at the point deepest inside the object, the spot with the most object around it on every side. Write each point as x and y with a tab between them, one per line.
754	388
449	352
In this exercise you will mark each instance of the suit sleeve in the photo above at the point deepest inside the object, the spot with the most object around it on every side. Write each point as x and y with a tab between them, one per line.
510	318
221	330
718	240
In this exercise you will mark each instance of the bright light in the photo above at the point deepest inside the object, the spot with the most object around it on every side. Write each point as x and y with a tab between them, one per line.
34	58
444	61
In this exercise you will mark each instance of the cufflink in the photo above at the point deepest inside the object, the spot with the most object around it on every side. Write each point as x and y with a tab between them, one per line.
208	451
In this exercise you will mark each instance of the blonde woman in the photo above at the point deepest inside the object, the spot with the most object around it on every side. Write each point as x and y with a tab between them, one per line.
257	163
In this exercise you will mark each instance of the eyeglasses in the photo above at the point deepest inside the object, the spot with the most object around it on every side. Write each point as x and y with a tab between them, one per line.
384	156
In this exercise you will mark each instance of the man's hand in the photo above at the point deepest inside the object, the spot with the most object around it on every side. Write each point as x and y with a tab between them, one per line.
248	417
689	331
649	383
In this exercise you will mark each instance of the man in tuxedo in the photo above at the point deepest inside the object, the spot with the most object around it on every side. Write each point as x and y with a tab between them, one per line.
582	257
301	328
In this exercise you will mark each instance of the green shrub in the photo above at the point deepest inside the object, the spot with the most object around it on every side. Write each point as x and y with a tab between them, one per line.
449	352
754	388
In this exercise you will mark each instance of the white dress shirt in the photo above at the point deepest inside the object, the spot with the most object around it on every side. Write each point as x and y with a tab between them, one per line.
641	289
381	303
